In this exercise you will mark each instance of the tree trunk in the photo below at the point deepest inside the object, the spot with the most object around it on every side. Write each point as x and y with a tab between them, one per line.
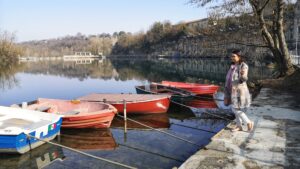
276	43
287	66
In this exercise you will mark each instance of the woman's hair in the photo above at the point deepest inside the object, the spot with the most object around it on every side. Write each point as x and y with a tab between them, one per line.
239	54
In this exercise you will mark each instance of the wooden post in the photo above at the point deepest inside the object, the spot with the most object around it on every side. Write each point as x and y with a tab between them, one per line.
24	105
125	131
58	137
125	117
125	113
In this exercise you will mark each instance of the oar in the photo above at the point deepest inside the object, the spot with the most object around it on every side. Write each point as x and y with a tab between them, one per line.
189	93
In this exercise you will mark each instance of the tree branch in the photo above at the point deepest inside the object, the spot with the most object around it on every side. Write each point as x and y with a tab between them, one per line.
264	5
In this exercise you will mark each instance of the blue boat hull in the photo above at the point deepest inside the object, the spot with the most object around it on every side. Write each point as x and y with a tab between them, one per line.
22	143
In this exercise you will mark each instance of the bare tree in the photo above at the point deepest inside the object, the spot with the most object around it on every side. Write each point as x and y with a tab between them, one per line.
270	16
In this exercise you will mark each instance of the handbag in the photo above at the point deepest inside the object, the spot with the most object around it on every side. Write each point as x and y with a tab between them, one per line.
227	101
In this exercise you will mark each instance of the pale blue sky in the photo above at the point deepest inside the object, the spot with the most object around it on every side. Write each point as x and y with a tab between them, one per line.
42	19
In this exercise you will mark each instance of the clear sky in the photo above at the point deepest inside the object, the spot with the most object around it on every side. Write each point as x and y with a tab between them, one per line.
42	19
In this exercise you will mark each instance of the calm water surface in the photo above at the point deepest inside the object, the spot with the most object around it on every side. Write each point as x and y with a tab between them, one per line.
139	147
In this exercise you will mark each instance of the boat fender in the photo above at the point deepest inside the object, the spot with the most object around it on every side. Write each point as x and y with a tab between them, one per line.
75	101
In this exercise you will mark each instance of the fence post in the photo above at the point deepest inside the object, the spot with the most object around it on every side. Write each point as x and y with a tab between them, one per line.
125	116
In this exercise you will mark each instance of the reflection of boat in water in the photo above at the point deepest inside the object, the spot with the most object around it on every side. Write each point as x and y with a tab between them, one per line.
203	103
152	120
180	112
88	139
204	109
35	159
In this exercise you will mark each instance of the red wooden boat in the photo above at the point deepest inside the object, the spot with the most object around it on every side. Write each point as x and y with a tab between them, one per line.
198	89
135	103
88	139
155	88
77	114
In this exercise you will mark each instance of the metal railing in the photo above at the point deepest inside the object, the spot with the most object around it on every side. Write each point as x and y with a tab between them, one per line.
295	59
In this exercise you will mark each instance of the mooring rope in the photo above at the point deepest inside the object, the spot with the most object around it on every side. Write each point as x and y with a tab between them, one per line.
169	134
203	112
83	153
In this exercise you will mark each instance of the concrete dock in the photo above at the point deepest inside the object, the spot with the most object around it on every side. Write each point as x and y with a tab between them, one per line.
274	142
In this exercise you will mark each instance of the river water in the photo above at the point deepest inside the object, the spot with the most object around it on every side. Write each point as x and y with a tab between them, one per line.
140	147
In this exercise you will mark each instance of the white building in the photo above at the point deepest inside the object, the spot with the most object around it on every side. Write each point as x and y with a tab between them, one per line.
293	31
297	26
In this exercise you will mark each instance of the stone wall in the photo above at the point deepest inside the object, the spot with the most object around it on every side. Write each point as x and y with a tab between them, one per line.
204	47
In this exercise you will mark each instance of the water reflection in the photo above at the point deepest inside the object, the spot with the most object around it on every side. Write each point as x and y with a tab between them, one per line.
201	103
7	75
192	70
138	147
141	148
71	69
199	70
35	159
88	139
153	120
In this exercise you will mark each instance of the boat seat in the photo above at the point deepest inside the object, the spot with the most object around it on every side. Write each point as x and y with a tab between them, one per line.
15	106
38	124
71	112
163	90
23	124
15	122
43	108
169	91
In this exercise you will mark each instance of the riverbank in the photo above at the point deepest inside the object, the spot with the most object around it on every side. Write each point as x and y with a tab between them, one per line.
290	83
274	142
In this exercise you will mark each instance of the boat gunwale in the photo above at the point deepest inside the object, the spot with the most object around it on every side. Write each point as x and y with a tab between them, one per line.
171	95
110	109
188	83
164	96
30	129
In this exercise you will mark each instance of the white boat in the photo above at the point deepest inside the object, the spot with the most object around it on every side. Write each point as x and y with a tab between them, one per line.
79	55
22	129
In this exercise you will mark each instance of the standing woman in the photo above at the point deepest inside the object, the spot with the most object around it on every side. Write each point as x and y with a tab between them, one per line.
236	90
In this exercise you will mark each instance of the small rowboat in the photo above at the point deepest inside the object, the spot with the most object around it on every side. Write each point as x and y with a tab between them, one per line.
155	88
196	88
77	114
135	103
18	127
